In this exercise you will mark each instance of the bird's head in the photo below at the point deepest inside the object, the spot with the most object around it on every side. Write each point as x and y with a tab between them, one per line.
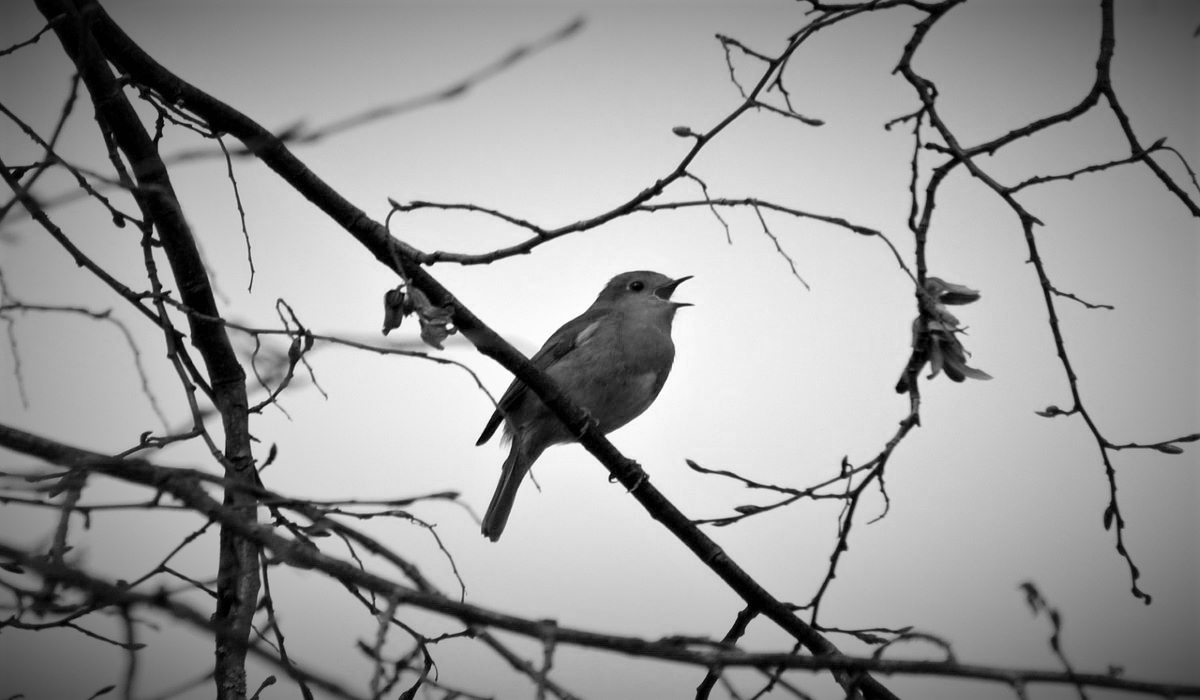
642	289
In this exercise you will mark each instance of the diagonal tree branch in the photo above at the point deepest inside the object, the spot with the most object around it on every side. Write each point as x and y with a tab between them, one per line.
404	260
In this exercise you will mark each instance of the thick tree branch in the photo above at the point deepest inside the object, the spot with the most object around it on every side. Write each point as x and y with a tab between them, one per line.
127	56
186	486
238	582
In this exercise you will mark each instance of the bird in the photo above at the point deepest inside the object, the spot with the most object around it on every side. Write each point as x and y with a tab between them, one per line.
612	360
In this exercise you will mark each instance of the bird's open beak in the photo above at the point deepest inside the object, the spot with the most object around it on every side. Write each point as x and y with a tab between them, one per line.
664	292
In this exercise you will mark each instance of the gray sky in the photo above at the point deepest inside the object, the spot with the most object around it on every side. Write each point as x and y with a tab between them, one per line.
772	380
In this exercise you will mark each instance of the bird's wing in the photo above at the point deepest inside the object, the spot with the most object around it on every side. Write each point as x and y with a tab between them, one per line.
573	334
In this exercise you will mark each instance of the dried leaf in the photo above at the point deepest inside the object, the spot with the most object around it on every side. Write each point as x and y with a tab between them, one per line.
936	360
436	328
435	321
936	334
972	373
394	308
950	293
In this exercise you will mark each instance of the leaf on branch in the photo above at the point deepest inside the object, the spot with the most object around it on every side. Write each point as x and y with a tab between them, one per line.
393	309
1170	449
935	335
435	321
12	567
1109	514
436	327
950	293
1051	411
749	510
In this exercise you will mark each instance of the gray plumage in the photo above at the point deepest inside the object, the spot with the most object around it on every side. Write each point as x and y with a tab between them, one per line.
612	360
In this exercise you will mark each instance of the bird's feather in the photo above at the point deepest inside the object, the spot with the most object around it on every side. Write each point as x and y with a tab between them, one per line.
571	336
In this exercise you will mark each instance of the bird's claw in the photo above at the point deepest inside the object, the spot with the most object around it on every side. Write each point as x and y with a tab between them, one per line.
588	424
640	479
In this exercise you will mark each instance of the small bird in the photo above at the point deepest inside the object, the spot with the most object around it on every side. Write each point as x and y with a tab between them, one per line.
611	361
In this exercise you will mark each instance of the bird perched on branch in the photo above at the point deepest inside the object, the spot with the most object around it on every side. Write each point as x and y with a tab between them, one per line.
611	361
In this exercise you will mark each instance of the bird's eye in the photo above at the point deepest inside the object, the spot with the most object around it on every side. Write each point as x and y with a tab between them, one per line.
637	285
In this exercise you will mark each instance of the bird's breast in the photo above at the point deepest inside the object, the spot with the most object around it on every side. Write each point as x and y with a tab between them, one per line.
616	375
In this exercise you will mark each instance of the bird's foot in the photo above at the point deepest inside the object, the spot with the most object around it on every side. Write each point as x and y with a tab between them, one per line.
640	480
590	424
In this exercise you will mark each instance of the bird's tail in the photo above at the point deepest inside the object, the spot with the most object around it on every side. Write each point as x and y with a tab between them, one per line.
513	473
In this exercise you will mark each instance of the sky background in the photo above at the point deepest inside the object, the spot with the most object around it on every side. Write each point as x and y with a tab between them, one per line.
773	380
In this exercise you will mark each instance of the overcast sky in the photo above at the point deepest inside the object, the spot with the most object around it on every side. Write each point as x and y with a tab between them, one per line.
774	380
